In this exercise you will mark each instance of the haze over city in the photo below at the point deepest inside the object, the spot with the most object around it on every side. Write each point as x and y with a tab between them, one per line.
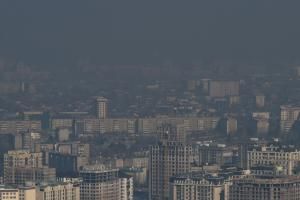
157	100
149	32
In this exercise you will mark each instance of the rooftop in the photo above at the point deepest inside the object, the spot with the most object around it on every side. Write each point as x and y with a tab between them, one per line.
255	179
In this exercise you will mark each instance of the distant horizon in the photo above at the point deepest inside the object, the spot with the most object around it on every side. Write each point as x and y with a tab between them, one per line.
149	32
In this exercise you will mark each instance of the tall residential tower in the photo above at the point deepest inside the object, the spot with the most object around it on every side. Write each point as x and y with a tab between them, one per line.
101	104
168	158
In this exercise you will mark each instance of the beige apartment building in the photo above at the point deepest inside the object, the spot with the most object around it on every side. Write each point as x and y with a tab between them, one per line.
22	165
59	191
168	158
102	107
21	158
27	193
264	188
21	193
61	123
44	191
285	158
150	125
9	193
223	88
17	126
105	184
144	125
197	187
288	115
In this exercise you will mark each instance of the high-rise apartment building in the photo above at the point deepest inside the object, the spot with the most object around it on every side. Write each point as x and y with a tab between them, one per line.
264	188
168	158
288	115
101	104
107	184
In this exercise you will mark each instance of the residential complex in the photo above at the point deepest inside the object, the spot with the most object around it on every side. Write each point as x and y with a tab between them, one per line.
264	187
109	184
285	157
198	186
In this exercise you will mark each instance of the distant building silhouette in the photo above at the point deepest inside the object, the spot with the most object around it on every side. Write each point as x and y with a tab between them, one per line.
101	104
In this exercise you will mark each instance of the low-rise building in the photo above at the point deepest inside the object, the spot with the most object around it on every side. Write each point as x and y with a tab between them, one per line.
9	193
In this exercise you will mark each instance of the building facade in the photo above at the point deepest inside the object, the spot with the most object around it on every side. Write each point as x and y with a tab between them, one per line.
214	154
288	115
264	188
197	187
27	193
168	158
101	104
17	193
286	158
9	193
223	88
22	165
17	126
59	191
109	184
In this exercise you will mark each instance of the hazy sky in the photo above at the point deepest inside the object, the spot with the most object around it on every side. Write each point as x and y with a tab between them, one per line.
142	31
